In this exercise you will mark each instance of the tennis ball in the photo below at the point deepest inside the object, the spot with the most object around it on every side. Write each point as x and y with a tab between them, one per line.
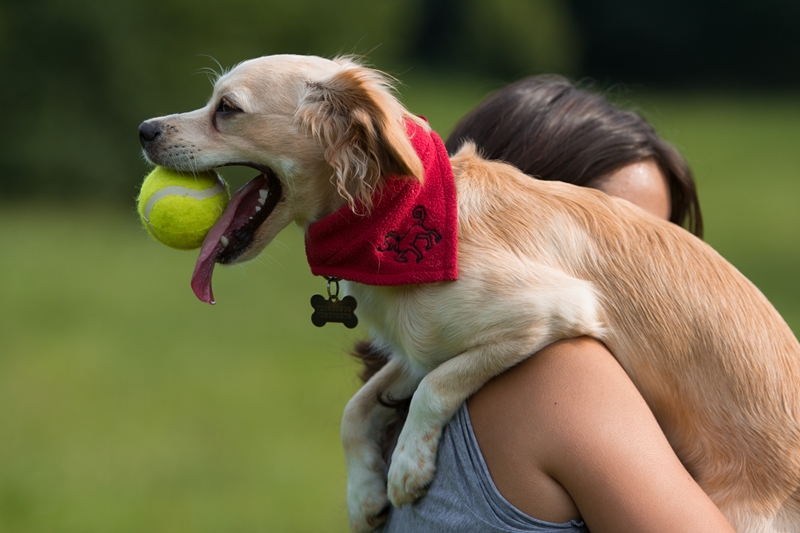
178	208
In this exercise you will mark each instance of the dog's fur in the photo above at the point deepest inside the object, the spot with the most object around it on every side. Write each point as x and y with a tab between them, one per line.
538	262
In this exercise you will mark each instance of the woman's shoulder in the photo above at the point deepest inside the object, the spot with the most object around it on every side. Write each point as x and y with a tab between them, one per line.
534	415
562	387
566	432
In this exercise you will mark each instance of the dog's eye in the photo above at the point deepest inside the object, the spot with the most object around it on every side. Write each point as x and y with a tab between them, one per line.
226	107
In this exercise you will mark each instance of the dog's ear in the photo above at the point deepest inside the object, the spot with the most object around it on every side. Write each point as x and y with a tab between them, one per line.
362	127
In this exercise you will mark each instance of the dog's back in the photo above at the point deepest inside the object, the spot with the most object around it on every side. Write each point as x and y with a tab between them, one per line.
714	360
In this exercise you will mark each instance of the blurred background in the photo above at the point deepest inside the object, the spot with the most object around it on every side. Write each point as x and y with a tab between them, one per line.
125	404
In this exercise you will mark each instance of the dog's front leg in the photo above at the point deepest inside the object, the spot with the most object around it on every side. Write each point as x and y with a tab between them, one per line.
436	400
362	426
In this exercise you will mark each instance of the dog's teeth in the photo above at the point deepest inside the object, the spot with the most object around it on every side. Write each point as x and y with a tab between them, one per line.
262	201
223	241
263	193
258	209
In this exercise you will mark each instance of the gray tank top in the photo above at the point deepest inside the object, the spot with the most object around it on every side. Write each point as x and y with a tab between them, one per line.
463	497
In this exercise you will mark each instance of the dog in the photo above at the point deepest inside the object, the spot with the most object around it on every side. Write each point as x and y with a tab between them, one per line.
713	359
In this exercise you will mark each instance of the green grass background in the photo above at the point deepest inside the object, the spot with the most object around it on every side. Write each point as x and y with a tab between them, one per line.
128	406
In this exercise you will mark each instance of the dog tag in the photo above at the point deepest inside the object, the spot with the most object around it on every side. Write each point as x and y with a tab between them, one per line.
333	309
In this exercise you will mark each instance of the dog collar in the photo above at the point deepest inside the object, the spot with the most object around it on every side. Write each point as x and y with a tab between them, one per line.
409	237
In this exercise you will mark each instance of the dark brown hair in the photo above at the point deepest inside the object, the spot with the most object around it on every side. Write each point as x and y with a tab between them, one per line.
550	129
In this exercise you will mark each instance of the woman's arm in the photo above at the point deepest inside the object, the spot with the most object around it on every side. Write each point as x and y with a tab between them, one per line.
566	434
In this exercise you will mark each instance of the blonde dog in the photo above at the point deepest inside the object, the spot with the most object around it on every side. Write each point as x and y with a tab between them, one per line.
537	262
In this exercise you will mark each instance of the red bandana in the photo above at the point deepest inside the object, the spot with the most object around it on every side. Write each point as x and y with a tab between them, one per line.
409	237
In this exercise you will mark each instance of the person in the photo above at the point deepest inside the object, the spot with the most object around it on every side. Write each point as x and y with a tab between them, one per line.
563	441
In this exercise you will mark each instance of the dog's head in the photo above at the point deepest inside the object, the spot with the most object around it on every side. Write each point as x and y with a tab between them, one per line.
321	134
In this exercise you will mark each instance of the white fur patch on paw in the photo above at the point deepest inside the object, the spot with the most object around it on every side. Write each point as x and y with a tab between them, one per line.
367	505
413	466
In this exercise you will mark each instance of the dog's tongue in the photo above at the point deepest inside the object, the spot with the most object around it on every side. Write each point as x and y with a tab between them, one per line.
236	214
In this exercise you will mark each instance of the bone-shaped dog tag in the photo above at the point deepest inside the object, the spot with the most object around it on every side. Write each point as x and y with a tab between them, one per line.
332	309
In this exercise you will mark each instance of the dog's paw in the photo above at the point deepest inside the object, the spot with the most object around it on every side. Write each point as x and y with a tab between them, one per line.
367	505
413	467
369	523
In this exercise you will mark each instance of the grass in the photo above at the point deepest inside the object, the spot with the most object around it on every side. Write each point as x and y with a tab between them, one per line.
129	406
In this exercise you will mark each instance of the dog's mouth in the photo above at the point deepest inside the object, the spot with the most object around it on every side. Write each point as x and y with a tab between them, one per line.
233	233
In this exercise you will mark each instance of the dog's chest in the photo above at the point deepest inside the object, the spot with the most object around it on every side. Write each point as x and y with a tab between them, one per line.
410	321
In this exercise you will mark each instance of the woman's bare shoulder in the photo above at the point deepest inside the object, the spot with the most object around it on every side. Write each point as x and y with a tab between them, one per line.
516	417
571	420
553	390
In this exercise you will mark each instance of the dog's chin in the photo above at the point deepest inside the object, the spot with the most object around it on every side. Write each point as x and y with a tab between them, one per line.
240	233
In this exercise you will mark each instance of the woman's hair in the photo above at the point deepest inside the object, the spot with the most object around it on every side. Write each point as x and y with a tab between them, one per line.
550	129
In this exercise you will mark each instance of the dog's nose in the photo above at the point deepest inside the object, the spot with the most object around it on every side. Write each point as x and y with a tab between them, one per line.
148	132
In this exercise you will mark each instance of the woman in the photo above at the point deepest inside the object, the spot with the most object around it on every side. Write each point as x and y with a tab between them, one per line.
563	441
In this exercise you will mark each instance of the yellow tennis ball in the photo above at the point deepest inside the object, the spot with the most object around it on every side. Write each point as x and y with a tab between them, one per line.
178	208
